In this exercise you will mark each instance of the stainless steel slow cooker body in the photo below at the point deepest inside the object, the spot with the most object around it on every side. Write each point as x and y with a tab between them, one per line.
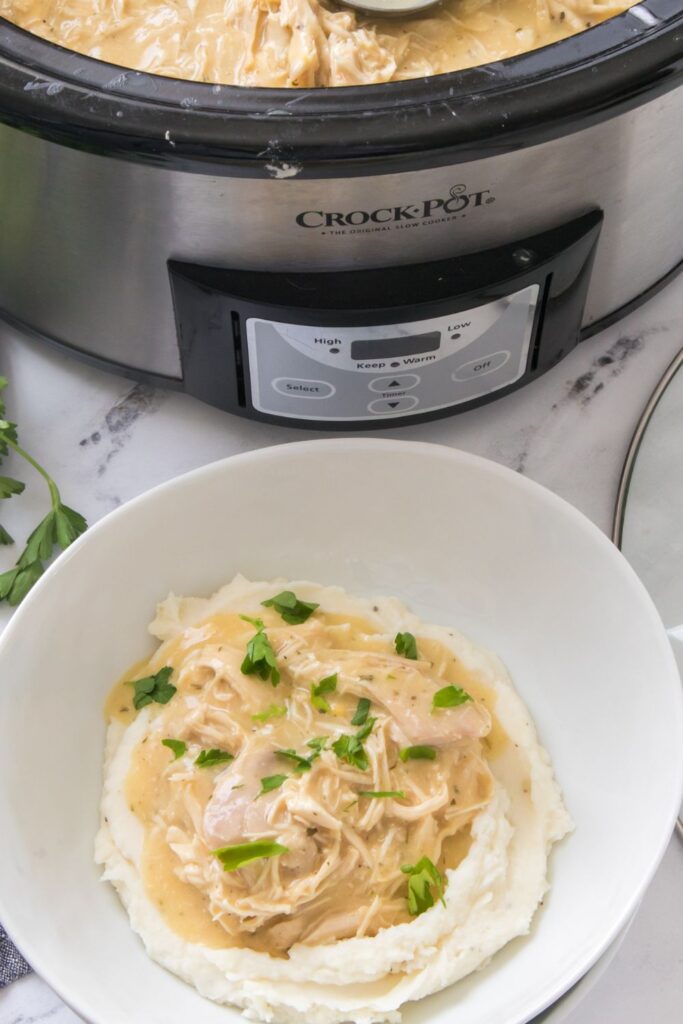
177	231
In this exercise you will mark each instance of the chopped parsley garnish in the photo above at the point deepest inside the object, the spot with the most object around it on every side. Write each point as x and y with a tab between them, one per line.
318	743
272	711
362	712
318	691
420	753
382	794
406	645
260	657
154	689
363	733
271	782
421	878
450	697
210	758
177	746
234	857
301	764
288	605
350	748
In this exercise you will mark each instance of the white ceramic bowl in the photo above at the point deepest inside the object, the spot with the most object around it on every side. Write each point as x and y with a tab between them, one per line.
466	542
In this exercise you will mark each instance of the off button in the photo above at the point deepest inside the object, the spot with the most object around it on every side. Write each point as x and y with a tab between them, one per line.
480	367
303	388
401	382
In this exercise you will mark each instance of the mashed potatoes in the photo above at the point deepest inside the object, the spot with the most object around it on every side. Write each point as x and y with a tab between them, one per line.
302	43
323	818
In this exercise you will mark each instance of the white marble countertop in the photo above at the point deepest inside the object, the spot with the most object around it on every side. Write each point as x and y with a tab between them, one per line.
105	440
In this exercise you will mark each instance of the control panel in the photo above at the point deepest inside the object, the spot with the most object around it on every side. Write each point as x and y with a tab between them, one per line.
342	349
342	373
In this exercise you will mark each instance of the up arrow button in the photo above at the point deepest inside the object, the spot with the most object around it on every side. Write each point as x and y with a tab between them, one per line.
403	381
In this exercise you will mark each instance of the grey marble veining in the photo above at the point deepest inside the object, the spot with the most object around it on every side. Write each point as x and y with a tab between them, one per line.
106	440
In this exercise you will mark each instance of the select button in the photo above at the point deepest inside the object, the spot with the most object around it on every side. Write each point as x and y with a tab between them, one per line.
303	388
401	382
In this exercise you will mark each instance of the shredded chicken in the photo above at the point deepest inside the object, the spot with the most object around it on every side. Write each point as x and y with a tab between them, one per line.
341	875
301	43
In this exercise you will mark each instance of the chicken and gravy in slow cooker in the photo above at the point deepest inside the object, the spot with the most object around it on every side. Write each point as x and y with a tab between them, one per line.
301	43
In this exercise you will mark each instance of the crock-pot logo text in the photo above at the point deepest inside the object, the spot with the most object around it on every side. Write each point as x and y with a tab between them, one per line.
427	210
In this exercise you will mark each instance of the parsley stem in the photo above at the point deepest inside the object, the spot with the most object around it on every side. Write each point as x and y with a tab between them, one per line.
54	492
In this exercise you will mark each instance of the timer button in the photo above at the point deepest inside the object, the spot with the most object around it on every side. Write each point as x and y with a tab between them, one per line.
393	406
303	388
480	367
401	382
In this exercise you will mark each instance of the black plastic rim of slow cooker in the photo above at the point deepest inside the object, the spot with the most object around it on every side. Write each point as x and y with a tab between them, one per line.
83	102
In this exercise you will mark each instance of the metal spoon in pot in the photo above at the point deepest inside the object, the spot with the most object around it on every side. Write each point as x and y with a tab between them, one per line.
389	7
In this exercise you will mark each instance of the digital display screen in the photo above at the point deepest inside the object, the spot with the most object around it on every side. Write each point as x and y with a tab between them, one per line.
392	348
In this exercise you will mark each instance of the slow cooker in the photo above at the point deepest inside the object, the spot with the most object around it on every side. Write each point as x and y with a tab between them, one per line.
348	257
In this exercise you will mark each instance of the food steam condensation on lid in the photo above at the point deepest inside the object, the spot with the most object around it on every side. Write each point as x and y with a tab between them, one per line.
302	43
317	807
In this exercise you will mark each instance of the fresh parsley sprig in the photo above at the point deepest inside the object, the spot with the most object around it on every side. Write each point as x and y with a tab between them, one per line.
450	697
234	857
260	657
156	689
301	764
210	758
362	712
421	878
382	794
178	747
422	752
271	782
304	764
60	527
292	610
272	711
318	691
350	748
406	645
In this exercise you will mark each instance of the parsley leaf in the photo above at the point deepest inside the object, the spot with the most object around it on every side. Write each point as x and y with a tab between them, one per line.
350	748
9	486
362	711
153	689
420	753
16	583
318	743
210	758
380	794
271	782
363	733
260	657
177	746
406	645
421	877
60	526
450	697
318	691
234	857
288	605
272	711
302	764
